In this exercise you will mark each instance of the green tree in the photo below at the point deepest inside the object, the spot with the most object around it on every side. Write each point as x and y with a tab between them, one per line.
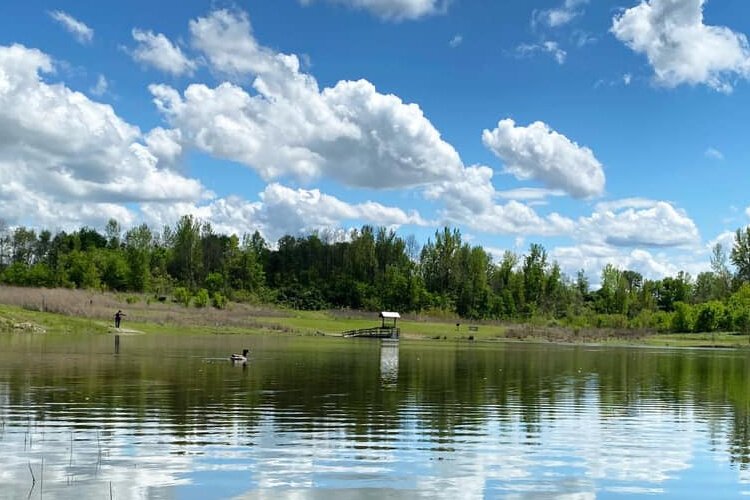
113	233
439	265
186	251
709	317
81	269
534	272
671	290
23	244
722	281
612	297
116	271
5	244
138	244
682	320
739	308
740	255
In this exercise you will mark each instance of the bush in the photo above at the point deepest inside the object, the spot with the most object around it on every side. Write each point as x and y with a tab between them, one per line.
711	316
660	321
219	301
214	282
243	296
201	298
682	321
611	321
132	299
182	295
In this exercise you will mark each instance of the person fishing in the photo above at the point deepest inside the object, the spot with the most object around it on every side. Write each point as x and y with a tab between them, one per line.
118	317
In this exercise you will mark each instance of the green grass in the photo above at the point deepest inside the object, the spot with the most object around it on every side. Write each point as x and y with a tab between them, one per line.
718	339
317	321
50	322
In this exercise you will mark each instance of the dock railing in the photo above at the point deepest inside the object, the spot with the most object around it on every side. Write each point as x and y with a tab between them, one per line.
378	332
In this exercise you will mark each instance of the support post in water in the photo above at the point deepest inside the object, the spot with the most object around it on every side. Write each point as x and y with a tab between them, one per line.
117	344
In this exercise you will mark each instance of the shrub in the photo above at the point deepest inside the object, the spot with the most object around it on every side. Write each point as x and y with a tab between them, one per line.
132	299
214	282
219	301
182	295
682	321
201	298
710	317
243	296
652	320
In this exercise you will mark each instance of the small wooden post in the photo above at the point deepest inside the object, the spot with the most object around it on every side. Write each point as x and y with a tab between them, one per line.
117	344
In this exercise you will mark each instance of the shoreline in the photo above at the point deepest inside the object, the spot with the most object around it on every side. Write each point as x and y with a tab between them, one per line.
84	311
16	319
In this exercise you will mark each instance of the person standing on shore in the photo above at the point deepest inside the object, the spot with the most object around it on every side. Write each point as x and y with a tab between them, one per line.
118	317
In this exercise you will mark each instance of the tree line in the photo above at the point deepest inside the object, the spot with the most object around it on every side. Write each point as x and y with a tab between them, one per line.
376	269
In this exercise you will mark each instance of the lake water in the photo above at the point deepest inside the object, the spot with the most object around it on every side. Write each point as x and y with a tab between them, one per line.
170	417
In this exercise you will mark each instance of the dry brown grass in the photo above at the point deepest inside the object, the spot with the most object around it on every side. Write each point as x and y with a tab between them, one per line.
138	308
575	335
141	308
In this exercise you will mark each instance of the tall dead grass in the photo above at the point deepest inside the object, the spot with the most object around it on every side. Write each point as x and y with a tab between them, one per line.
138	308
575	335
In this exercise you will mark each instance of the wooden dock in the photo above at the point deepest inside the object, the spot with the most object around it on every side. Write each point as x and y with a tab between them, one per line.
377	332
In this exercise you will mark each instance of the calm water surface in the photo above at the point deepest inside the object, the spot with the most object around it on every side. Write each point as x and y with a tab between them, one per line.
169	417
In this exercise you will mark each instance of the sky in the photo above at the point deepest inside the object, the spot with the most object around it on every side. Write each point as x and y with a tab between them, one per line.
609	131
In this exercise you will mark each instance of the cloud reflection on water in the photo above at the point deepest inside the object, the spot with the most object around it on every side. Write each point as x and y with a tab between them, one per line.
495	459
404	439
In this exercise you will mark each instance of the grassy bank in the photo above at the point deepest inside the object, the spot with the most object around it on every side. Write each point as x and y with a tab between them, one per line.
69	311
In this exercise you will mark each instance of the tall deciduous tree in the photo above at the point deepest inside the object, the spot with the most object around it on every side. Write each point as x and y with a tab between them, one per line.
722	276
138	245
534	270
186	248
113	233
4	244
740	255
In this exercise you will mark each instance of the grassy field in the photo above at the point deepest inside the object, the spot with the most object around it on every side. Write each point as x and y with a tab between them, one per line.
70	311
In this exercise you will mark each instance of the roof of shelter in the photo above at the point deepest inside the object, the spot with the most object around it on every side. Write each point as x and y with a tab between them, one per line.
390	315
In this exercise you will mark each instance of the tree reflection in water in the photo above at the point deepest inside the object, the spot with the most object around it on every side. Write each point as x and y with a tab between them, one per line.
170	415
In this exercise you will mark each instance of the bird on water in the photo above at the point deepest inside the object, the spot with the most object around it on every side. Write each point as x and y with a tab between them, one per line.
239	358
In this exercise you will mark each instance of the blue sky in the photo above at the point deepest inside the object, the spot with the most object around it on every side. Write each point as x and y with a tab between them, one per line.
609	131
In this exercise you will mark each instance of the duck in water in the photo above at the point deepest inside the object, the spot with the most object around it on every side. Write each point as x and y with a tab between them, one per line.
239	358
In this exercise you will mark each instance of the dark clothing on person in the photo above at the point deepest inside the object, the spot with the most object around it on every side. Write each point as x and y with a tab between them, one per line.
118	317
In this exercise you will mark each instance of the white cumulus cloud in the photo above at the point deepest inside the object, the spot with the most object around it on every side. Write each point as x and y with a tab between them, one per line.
538	152
166	145
281	211
70	155
100	87
156	50
592	258
395	10
680	47
77	28
639	222
288	126
226	38
515	218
